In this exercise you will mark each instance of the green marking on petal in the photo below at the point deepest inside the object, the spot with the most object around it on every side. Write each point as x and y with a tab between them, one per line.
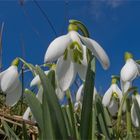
115	96
65	54
75	56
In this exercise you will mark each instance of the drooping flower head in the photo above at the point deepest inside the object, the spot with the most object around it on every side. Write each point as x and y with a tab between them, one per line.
10	84
129	72
112	97
71	53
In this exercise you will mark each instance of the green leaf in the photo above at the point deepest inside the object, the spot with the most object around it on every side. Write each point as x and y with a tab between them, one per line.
103	118
86	114
51	99
35	106
137	109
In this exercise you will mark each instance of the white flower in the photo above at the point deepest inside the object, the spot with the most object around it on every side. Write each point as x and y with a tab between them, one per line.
134	116
112	98
71	52
129	72
10	85
79	96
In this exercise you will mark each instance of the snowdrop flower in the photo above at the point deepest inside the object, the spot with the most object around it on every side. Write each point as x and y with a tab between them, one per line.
112	97
134	116
79	96
129	72
71	52
10	84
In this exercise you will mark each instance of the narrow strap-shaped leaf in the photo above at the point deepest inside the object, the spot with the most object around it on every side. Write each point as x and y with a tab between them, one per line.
48	129
72	116
67	121
35	106
86	114
52	100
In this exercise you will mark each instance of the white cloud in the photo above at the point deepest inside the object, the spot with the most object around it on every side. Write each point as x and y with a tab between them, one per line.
113	3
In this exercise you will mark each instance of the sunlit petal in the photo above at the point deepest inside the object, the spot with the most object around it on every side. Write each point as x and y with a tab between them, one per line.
13	95
79	94
125	85
134	117
97	51
129	71
36	80
113	107
116	89
8	80
107	97
40	93
60	94
57	48
66	72
82	70
26	114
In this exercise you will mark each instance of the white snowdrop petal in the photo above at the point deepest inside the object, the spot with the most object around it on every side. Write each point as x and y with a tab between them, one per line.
26	114
138	99
97	51
13	96
66	72
8	80
107	96
134	117
36	80
126	85
82	71
40	93
129	71
60	94
113	107
57	48
79	96
84	61
75	38
117	90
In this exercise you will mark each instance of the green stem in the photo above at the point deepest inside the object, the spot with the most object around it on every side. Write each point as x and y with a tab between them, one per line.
120	113
128	116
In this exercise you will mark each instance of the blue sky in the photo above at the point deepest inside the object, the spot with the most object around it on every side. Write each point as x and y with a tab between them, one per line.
114	24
